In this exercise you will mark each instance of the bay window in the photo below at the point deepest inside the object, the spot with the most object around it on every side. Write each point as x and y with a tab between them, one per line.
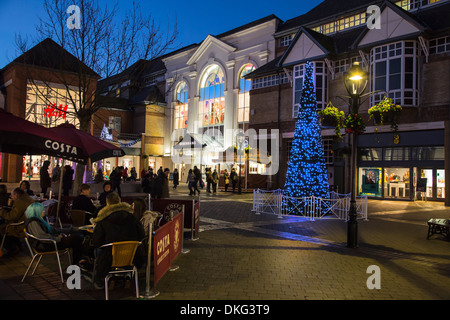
394	73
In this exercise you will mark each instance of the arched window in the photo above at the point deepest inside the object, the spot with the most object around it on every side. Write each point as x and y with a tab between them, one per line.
212	98
181	106
244	96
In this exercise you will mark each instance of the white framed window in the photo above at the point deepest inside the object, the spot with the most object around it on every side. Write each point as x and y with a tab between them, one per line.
320	85
243	111
415	4
212	97
440	45
286	40
328	149
181	106
394	72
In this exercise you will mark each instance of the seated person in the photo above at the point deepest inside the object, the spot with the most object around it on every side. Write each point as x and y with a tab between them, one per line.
38	227
4	196
115	222
107	189
84	203
25	186
21	201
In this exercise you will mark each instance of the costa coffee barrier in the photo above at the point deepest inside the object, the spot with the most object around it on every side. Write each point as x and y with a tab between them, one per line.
167	245
191	212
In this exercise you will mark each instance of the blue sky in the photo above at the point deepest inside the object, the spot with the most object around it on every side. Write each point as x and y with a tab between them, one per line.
196	19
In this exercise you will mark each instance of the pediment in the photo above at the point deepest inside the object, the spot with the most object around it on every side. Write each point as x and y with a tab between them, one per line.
208	43
394	25
303	47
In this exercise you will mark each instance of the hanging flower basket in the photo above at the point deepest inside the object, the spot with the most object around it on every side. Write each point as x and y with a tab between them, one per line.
385	112
354	123
332	117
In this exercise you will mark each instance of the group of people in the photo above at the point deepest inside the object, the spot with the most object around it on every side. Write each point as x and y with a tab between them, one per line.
194	180
114	221
157	185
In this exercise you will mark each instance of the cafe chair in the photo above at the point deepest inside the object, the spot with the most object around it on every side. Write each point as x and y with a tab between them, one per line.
122	262
50	215
78	217
6	233
36	253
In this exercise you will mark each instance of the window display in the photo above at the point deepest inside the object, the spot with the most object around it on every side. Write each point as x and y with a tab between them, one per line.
370	181
397	182
212	97
440	180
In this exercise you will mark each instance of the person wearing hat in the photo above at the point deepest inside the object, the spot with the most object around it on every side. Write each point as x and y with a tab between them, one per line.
162	184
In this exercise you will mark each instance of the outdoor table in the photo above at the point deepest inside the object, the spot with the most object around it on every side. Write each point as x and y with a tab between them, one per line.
88	228
438	226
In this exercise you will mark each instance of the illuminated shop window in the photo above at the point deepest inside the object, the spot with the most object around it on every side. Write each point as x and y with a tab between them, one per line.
212	97
181	106
50	106
244	96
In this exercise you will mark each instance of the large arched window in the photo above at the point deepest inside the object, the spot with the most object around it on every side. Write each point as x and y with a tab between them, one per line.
181	106
212	98
244	96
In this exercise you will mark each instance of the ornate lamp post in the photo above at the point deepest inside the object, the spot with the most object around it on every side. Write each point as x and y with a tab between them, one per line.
240	137
355	81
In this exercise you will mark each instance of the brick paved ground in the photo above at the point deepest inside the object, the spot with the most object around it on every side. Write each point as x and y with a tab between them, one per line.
244	256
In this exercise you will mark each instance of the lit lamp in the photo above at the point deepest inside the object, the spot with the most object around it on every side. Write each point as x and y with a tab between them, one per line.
240	137
355	81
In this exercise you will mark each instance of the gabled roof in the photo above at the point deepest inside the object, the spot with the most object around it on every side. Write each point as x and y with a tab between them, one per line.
406	24
328	9
323	42
209	41
50	55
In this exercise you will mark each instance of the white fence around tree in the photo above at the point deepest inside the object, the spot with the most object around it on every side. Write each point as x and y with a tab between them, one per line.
338	205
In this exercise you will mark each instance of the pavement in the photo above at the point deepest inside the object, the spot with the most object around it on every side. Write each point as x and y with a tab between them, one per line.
243	256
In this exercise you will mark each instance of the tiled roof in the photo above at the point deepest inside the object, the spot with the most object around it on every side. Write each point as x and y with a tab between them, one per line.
48	54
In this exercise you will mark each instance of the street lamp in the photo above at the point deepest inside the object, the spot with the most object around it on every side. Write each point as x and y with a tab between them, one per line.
240	137
355	81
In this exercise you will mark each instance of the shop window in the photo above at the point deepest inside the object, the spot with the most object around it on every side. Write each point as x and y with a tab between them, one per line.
212	97
396	154
181	106
370	154
440	183
397	183
428	153
370	181
244	95
428	175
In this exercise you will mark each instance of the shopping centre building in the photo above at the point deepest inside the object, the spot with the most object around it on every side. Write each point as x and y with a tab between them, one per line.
250	79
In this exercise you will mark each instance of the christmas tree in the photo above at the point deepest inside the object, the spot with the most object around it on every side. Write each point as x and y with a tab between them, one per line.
306	175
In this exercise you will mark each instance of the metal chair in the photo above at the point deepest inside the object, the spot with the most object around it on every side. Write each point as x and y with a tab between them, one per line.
78	217
36	253
122	262
6	233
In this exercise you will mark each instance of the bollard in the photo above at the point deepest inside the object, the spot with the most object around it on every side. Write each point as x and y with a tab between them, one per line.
183	250
149	292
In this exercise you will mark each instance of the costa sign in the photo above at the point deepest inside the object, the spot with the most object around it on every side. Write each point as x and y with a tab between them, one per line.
61	147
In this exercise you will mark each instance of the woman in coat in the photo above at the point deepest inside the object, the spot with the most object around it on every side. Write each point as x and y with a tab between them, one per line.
38	227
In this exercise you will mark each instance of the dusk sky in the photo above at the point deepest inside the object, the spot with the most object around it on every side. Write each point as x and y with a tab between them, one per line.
196	19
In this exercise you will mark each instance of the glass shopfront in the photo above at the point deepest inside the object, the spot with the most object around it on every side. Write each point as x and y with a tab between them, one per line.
403	165
401	183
